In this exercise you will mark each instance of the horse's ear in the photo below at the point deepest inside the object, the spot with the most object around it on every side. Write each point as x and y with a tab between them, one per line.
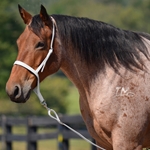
25	15
45	17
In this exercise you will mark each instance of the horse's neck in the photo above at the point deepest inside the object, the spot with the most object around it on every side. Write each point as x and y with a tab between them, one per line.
77	73
87	79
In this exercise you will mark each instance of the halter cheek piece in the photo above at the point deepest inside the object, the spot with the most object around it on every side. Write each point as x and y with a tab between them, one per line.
37	88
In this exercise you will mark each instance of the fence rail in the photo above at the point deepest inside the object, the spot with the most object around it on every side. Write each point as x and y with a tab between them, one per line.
32	124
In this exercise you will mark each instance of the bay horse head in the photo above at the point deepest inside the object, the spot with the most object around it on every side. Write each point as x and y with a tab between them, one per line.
33	47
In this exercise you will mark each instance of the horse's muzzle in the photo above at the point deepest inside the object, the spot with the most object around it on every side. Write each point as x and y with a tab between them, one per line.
17	93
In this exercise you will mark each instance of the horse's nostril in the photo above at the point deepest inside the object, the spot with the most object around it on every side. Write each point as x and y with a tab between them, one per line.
17	91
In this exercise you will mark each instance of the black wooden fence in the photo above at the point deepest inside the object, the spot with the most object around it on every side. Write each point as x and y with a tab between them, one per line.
58	132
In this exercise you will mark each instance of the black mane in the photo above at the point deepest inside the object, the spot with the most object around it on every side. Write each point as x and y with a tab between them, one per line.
99	43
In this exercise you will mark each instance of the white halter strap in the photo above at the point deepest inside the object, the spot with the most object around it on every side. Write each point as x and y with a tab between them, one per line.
41	66
37	88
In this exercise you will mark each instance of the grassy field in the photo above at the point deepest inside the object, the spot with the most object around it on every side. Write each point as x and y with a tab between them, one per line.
52	145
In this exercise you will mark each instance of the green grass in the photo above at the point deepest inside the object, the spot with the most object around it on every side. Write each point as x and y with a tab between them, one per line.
52	145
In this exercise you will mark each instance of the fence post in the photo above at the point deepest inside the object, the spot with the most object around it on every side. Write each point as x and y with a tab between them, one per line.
63	144
7	129
3	120
92	146
31	145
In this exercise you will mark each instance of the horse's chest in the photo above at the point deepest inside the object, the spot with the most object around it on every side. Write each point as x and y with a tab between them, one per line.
98	123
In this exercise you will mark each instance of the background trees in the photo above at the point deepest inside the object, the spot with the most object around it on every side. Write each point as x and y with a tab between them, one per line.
125	14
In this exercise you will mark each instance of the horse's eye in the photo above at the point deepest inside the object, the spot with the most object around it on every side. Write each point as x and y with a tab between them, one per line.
40	45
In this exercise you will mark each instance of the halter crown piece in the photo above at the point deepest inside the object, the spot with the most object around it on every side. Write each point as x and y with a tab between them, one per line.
37	88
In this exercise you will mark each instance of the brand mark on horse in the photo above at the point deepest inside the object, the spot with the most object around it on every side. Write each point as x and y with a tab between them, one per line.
122	91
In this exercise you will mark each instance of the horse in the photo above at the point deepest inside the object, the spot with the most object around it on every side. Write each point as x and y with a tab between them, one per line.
109	66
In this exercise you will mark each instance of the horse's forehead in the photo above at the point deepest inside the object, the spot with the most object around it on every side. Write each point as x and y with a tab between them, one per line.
26	35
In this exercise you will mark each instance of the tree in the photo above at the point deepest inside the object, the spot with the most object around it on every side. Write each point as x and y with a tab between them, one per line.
9	31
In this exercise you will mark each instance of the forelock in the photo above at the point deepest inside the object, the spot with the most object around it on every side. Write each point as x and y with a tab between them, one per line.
36	25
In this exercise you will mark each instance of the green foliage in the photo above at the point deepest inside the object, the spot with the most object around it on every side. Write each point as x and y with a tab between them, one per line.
55	91
9	31
125	14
